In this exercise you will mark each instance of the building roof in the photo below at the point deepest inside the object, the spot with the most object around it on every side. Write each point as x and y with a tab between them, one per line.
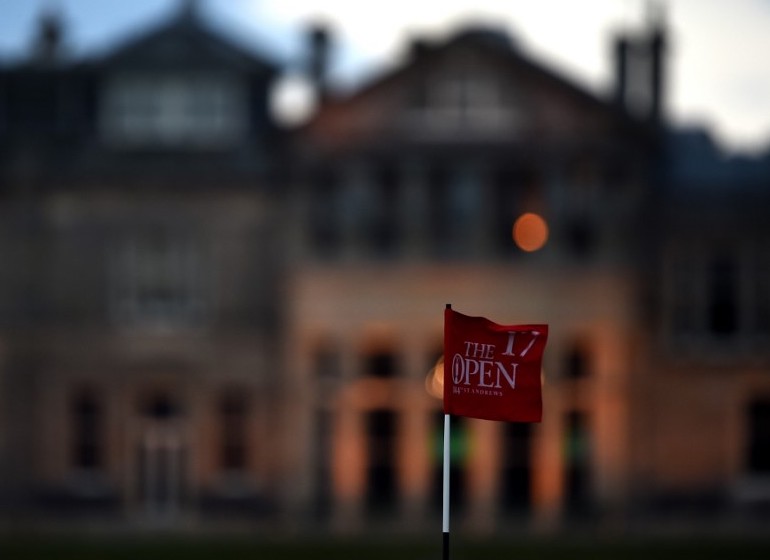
548	103
696	161
185	40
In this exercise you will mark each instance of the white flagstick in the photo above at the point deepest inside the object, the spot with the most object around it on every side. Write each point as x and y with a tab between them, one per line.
445	512
445	516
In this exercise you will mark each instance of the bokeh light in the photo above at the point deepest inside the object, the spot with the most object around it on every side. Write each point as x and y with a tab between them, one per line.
434	381
530	232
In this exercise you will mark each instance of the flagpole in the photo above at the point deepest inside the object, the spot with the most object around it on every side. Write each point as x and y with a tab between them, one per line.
445	494
445	513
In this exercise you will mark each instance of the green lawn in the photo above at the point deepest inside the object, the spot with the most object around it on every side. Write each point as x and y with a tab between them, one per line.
240	548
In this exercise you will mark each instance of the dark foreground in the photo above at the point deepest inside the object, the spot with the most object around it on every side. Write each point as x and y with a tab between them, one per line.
241	548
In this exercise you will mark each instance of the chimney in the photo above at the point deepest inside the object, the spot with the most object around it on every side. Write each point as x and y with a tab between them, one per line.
318	59
621	71
48	42
657	70
640	69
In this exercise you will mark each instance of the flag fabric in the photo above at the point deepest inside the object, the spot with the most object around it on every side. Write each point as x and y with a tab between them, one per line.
492	371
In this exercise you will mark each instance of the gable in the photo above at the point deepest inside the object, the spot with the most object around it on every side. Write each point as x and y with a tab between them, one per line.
462	94
185	42
467	90
182	86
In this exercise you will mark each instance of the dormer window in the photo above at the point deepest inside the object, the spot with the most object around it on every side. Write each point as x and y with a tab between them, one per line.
464	101
192	111
466	96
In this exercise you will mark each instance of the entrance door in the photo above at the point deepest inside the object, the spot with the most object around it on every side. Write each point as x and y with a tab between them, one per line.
161	468
161	458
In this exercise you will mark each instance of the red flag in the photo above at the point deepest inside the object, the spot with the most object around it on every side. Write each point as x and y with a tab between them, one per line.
492	371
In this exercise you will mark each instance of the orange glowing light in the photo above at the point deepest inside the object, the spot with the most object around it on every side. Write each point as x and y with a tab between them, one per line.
530	232
434	382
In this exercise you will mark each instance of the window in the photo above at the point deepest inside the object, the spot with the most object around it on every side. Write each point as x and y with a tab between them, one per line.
455	209
683	302
505	182
516	191
157	279
715	293
723	297
382	225
322	464
580	237
324	213
760	309
577	363
174	110
516	473
381	484
233	413
463	100
464	208
438	217
87	432
381	363
577	458
584	197
759	437
160	407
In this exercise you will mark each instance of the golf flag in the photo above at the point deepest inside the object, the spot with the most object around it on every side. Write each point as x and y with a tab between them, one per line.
492	371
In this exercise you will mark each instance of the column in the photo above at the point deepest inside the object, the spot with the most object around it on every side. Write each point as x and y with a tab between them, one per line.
348	445
348	469
414	467
547	467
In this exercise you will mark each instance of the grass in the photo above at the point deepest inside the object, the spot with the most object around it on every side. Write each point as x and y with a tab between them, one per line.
242	548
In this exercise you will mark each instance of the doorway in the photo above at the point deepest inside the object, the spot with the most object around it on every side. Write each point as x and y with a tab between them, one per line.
161	458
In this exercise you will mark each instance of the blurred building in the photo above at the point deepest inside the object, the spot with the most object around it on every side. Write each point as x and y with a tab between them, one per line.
140	317
407	199
206	314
